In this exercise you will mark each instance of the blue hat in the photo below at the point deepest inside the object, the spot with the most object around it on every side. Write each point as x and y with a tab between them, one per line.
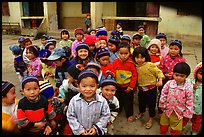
101	32
45	36
115	33
102	52
87	73
126	37
46	89
109	80
44	54
176	42
21	39
161	35
15	48
29	79
114	39
49	43
6	86
51	39
82	46
56	54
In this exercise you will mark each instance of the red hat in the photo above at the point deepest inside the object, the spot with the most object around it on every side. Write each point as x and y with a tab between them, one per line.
78	31
196	69
102	37
90	39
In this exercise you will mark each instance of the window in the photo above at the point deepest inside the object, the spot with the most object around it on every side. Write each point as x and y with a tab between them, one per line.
5	9
85	7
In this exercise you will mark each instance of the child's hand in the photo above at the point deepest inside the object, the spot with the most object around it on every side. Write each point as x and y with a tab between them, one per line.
84	132
39	124
168	75
56	92
61	99
195	86
128	89
159	83
53	124
92	131
47	130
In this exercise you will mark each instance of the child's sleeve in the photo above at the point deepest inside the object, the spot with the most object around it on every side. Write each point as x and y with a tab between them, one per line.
164	95
51	113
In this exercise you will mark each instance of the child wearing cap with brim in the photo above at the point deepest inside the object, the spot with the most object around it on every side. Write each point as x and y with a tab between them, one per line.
88	113
135	41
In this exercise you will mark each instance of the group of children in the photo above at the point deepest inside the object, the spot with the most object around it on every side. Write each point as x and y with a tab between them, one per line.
79	87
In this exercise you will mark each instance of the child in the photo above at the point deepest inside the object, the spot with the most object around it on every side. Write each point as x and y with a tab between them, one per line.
50	46
43	39
20	43
108	89
26	42
82	55
35	66
126	38
126	77
48	67
34	113
176	100
112	47
90	40
88	21
79	35
145	38
88	113
154	50
92	32
135	41
164	48
119	29
19	64
197	104
149	78
65	39
95	67
102	42
169	61
62	63
9	108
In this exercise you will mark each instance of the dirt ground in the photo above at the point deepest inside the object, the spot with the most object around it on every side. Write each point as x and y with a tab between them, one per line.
121	126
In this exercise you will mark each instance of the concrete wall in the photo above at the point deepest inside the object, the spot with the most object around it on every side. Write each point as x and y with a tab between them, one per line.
179	24
71	9
109	8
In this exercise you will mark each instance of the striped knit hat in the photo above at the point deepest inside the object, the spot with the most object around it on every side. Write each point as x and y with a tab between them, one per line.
46	89
6	86
87	73
29	79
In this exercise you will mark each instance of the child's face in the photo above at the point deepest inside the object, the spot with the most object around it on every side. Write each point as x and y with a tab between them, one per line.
83	53
10	97
31	91
108	91
51	48
28	44
48	62
93	33
139	59
102	43
124	40
59	63
163	41
179	78
30	54
141	31
174	50
104	60
65	36
123	54
43	41
79	37
136	41
88	87
199	75
91	48
111	47
154	49
118	28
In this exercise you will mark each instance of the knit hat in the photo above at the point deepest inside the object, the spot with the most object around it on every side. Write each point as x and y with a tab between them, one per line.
109	80
93	64
49	43
46	89
182	68
137	36
90	39
102	37
198	66
15	49
21	39
82	46
74	70
102	52
161	35
101	32
101	28
56	54
114	40
115	33
29	79
78	31
45	36
156	42
26	40
176	42
87	73
6	86
126	37
51	39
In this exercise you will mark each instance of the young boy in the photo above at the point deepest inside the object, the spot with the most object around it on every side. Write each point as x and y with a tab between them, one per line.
9	108
112	47
88	21
43	39
176	100
19	64
126	77
88	113
135	41
34	113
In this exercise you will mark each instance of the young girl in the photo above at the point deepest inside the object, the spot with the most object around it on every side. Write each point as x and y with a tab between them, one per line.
35	66
88	113
176	100
169	61
34	113
164	48
126	77
145	38
65	39
108	89
197	107
79	35
26	43
9	108
102	42
82	55
149	78
119	29
154	50
112	47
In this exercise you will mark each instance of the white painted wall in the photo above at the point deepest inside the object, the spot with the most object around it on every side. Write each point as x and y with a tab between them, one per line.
179	24
71	9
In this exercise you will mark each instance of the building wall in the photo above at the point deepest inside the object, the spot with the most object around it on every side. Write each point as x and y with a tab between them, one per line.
179	24
109	8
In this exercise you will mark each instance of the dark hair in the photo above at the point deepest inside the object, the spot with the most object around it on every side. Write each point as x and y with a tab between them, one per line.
68	51
35	50
123	45
64	31
119	24
143	51
178	43
140	26
182	68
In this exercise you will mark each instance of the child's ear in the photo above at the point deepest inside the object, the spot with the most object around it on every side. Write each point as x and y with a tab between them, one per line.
21	91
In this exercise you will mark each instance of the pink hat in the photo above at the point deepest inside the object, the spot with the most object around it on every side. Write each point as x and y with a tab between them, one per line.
196	69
